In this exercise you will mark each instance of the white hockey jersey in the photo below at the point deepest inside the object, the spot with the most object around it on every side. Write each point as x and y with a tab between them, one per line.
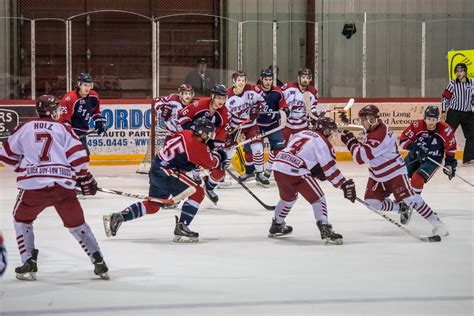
172	124
239	105
379	150
305	151
44	152
295	99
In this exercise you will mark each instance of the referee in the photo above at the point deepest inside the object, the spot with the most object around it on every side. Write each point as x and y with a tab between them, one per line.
458	101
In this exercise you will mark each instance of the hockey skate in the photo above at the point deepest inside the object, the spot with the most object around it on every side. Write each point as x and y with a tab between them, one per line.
27	272
261	179
440	229
278	230
405	213
268	173
197	176
100	268
112	223
182	234
211	194
245	177
328	235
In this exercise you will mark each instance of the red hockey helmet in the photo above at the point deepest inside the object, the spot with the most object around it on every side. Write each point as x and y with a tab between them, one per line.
369	110
324	125
305	71
48	106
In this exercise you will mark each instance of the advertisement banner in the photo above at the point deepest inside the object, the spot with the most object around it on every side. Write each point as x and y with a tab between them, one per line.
460	56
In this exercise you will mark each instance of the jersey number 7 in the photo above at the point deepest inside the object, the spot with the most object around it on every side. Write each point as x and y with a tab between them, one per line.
47	140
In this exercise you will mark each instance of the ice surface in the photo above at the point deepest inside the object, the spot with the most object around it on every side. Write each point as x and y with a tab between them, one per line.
235	269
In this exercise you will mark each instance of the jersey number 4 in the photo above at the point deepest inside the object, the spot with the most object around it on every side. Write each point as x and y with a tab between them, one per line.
47	140
297	146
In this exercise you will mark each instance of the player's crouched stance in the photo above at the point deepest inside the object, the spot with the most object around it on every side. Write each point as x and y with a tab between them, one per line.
387	171
182	153
50	160
308	155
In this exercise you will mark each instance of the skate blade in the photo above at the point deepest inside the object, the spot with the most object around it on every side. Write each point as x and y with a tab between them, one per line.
185	240
328	241
29	276
106	220
263	185
104	276
277	235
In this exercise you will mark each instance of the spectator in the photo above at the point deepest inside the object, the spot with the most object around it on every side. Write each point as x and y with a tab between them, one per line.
201	79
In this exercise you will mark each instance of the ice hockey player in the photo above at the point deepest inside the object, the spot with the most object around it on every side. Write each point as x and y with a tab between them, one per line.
387	171
307	156
167	108
81	105
244	104
294	93
50	161
180	154
212	108
3	256
428	138
274	101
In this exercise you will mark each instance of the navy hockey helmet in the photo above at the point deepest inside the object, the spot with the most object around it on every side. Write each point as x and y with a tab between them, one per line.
84	77
266	73
432	111
461	66
203	128
47	106
219	89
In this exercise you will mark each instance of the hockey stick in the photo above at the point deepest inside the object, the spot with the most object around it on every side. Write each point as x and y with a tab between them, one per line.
434	238
260	136
88	133
444	168
163	202
265	206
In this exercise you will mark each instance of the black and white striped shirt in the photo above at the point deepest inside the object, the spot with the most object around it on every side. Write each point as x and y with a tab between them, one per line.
458	96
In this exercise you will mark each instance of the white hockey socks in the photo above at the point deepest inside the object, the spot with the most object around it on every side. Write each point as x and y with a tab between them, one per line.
320	210
282	209
386	205
416	202
257	155
86	239
25	238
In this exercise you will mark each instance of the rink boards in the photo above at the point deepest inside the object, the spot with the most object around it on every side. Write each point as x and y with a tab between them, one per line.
129	123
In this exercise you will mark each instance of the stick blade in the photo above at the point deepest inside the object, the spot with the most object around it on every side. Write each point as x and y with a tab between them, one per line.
435	238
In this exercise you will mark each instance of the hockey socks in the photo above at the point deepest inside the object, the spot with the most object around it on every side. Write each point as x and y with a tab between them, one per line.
386	205
188	211
139	209
417	182
320	210
257	155
86	239
282	209
25	239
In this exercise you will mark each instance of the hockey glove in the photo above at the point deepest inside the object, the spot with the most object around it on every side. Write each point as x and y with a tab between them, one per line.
450	168
318	173
166	111
87	184
349	190
100	125
348	139
419	153
222	156
254	112
3	257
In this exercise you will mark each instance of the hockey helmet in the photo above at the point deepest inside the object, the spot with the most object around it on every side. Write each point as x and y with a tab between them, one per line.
84	77
219	89
266	73
324	125
305	71
432	111
48	106
203	128
369	110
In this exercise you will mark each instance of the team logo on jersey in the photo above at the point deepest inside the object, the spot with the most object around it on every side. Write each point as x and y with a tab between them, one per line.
67	98
434	142
196	103
9	119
